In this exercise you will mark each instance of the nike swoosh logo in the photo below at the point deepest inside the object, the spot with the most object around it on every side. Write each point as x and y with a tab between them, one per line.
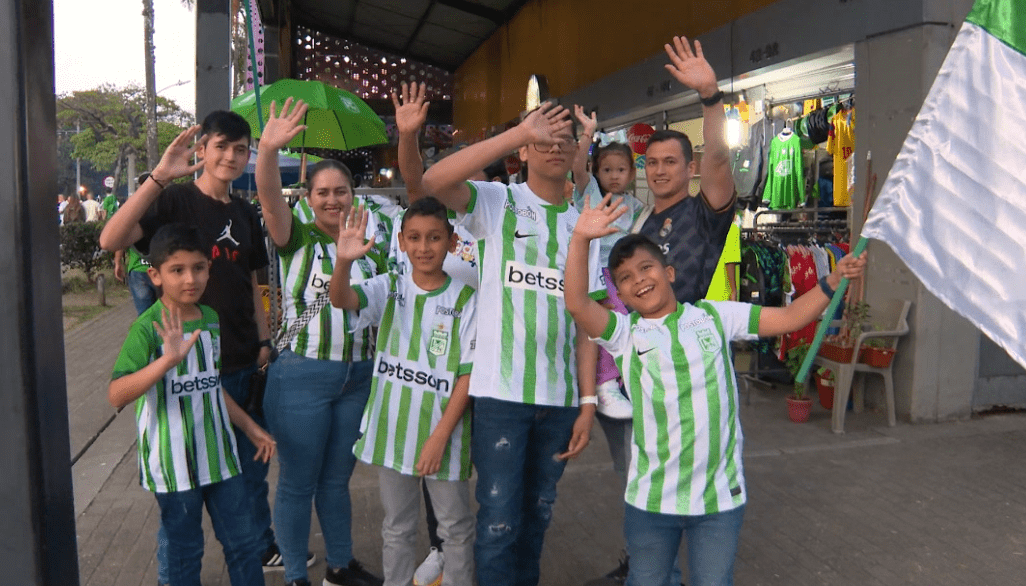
517	234
645	352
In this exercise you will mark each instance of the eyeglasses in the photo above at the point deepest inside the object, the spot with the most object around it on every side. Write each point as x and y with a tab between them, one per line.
564	146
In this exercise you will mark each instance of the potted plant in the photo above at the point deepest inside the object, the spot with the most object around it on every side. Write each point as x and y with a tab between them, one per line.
841	347
825	387
876	353
798	405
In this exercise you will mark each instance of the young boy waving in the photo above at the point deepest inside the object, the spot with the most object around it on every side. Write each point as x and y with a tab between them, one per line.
416	423
686	473
187	451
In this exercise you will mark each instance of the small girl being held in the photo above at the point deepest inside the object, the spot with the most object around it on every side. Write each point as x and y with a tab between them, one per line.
612	171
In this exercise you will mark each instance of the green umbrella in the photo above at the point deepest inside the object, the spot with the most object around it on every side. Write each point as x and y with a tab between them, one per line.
336	119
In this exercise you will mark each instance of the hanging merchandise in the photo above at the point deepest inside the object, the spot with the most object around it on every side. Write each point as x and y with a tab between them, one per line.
785	183
841	145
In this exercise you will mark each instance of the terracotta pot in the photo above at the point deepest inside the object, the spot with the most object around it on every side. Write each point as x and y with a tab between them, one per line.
826	392
798	410
876	357
837	353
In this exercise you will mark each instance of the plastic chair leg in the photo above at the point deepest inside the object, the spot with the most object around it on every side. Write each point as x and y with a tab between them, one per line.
842	389
889	392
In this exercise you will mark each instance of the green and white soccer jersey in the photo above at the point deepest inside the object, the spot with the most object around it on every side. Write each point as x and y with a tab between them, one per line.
425	342
686	450
306	263
185	439
382	211
529	355
461	265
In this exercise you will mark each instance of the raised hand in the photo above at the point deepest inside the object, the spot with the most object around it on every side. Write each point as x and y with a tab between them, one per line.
690	67
411	108
282	128
596	222
352	229
176	347
588	123
543	124
177	159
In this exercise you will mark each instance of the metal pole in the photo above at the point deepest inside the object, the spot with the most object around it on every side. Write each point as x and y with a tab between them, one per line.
37	543
78	162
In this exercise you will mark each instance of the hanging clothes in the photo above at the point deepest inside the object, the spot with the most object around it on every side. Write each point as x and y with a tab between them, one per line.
785	182
841	144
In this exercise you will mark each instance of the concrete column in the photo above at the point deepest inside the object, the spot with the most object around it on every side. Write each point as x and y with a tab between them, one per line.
213	57
272	54
37	541
936	365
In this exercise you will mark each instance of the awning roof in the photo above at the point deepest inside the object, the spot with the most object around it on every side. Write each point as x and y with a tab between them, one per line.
436	32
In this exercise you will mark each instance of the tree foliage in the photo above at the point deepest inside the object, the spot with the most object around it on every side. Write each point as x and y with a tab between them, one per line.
113	124
80	248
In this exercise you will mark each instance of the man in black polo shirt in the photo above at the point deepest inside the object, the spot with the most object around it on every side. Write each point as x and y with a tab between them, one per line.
691	230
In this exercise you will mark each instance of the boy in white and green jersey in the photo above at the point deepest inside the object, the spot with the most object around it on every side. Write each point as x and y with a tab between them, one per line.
187	450
416	423
534	381
686	474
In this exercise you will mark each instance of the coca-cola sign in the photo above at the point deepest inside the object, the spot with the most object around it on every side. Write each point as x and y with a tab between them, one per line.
512	164
637	137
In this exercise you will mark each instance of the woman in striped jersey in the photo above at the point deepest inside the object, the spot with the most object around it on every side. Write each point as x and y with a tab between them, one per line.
318	387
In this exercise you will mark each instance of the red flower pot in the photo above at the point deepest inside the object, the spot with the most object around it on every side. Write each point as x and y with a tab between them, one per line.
877	357
832	351
825	388
798	410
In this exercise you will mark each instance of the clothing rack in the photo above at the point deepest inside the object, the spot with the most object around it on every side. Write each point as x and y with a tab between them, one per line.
787	222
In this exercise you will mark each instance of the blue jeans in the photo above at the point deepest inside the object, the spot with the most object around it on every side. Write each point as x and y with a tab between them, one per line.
654	540
513	447
144	294
181	515
254	475
314	408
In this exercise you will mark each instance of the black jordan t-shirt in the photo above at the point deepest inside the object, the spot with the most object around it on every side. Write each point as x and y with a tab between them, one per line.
238	249
691	235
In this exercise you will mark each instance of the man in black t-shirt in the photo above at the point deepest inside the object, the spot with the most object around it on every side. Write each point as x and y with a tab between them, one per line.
232	228
691	230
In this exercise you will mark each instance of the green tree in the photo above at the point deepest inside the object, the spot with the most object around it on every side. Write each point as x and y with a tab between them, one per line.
113	124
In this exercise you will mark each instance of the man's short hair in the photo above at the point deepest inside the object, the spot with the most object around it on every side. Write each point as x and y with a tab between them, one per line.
230	124
685	142
428	207
628	245
175	237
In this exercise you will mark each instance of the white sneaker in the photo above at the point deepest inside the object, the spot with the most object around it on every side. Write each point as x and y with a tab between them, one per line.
611	402
430	571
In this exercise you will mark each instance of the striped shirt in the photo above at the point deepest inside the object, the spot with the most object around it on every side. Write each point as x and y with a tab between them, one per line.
185	440
529	355
686	450
306	262
425	342
461	265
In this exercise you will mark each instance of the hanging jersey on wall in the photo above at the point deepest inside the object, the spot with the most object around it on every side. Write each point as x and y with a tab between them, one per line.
841	145
785	185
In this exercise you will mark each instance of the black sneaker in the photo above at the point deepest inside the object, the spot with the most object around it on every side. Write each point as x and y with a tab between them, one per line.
272	560
351	575
616	577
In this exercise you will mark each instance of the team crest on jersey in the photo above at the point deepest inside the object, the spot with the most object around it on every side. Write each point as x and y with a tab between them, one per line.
439	342
707	340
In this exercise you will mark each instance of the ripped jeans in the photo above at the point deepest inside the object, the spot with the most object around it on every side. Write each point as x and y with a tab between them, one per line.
513	449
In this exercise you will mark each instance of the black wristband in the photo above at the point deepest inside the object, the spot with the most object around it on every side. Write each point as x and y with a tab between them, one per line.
266	343
712	100
161	185
826	288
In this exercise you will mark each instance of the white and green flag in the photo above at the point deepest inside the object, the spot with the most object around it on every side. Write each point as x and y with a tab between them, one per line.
954	204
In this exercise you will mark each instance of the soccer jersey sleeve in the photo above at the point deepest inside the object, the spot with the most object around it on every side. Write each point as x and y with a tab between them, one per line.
137	349
467	333
739	321
373	294
616	337
485	210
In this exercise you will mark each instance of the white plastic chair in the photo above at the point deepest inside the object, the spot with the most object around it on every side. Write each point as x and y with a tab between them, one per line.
894	313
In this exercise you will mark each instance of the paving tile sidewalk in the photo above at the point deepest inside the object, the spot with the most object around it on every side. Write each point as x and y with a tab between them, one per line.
930	504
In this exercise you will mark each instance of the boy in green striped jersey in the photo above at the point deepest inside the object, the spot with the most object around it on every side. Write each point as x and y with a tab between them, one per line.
187	451
685	474
416	423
